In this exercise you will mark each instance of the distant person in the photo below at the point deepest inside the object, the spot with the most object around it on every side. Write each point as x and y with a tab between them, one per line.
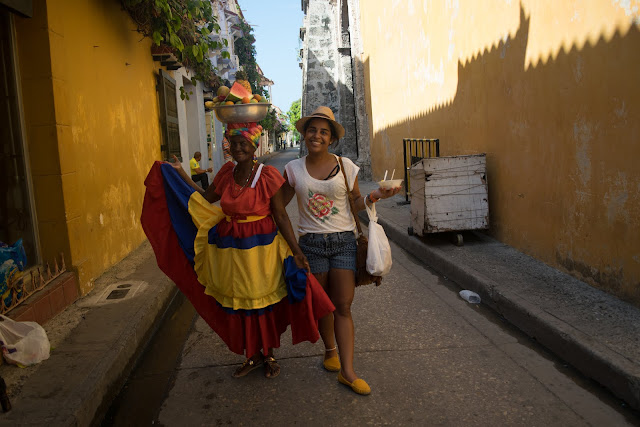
198	174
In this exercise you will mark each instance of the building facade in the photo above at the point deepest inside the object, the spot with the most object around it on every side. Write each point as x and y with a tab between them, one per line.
89	105
547	90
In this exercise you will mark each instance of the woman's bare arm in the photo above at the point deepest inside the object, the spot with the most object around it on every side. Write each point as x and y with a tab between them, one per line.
183	174
210	194
287	191
379	193
283	222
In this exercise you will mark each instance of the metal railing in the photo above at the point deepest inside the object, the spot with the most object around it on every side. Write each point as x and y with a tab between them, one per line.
35	279
414	150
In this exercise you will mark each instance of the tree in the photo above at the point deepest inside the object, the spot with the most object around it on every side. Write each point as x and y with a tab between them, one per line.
294	114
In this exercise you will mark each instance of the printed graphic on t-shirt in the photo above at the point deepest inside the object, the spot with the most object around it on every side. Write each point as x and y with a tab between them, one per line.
321	207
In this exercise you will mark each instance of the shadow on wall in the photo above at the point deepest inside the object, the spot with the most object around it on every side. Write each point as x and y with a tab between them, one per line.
561	139
322	89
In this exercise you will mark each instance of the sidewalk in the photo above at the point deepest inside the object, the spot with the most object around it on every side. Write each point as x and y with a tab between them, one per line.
94	344
594	331
96	341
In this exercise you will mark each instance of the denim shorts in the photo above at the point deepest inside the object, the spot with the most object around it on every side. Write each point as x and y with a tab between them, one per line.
329	251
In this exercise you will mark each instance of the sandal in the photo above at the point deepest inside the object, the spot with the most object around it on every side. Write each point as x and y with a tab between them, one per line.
247	366
271	367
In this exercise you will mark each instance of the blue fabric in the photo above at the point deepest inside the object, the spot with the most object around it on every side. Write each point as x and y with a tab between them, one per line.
296	280
13	259
238	243
178	193
255	311
15	252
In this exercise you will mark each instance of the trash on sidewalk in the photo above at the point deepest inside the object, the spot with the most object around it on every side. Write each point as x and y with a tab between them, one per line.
470	296
23	343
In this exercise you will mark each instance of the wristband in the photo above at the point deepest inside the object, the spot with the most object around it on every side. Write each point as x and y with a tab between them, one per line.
371	198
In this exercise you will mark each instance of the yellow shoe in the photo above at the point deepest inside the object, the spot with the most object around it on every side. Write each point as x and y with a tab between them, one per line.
360	386
332	364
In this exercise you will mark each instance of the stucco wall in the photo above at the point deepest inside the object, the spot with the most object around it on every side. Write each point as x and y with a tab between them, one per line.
91	112
549	90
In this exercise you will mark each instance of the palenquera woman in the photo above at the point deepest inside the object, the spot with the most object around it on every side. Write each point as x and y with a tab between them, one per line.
239	264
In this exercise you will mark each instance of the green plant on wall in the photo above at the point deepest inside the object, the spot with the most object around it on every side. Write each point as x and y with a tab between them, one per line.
246	51
184	26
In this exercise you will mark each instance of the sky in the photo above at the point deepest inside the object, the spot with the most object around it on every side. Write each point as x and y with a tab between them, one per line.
276	27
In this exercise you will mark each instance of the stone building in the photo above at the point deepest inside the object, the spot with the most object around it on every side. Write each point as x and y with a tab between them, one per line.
333	73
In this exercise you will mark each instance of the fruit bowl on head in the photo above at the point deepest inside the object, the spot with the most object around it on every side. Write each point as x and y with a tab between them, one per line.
240	113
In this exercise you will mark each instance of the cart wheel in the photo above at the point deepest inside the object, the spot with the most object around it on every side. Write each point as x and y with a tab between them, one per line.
410	231
458	240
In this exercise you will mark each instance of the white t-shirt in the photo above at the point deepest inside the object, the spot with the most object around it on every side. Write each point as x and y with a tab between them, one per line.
323	205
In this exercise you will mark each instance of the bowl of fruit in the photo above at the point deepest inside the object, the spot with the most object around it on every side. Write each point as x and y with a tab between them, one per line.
240	113
237	104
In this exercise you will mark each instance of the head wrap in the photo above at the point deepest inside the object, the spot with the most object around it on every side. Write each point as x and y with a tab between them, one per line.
251	131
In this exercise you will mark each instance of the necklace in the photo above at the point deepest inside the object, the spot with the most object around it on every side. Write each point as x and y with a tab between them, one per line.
244	186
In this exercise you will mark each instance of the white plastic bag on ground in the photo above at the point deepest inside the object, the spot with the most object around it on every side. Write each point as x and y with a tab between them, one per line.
23	343
379	251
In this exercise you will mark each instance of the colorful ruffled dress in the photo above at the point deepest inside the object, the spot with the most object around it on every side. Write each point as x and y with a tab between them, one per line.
231	261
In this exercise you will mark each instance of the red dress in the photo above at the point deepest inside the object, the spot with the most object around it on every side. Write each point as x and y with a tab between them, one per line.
232	264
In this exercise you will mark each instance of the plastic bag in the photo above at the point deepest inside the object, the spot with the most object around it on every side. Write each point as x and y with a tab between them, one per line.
15	252
379	251
23	343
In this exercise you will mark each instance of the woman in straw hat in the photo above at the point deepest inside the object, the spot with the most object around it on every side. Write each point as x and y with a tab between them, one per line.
327	230
239	264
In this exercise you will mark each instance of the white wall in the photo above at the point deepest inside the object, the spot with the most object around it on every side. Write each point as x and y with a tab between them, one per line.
191	120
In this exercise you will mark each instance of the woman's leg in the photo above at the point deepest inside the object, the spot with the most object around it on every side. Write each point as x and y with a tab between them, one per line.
271	367
325	325
341	291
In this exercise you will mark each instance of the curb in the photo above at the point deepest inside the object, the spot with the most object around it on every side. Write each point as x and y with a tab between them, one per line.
136	342
590	357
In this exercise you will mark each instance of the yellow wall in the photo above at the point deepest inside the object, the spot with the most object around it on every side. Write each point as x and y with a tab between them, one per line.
93	130
549	90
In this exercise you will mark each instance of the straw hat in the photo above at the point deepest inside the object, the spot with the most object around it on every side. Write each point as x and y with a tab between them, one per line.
321	113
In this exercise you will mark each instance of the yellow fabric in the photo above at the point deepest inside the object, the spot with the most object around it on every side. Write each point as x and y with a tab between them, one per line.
246	278
203	213
193	164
